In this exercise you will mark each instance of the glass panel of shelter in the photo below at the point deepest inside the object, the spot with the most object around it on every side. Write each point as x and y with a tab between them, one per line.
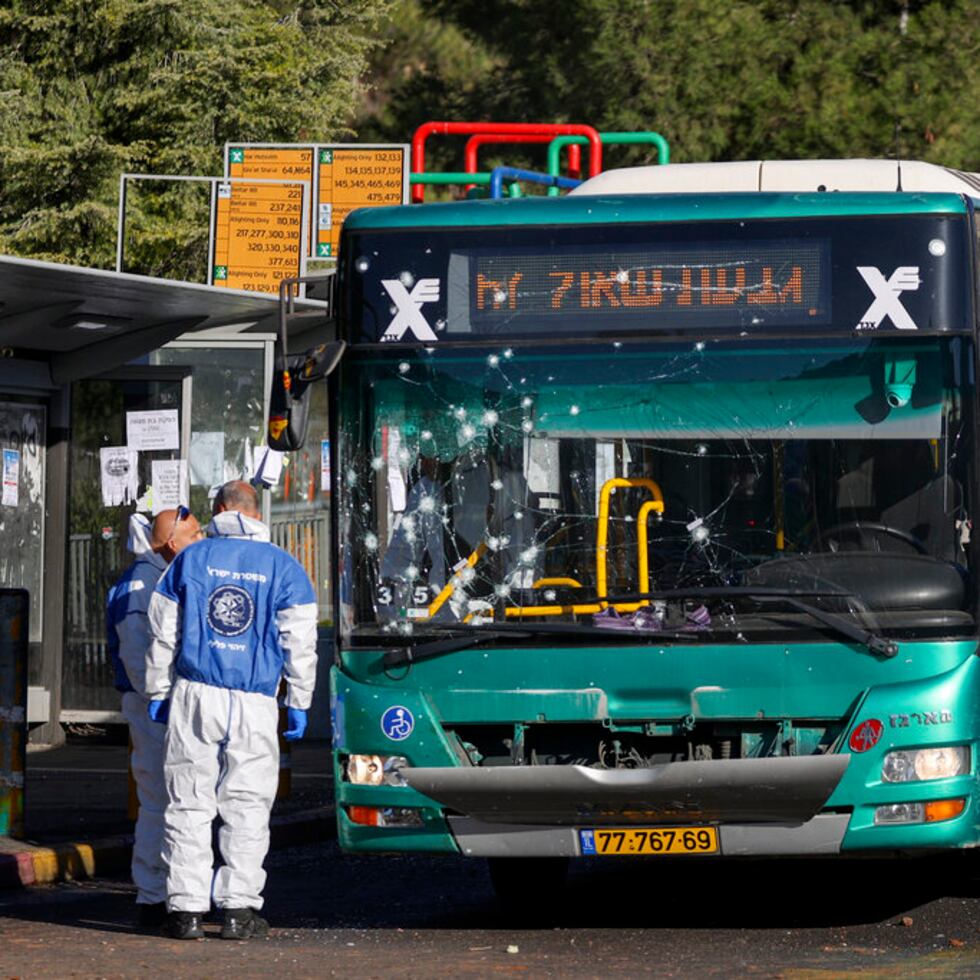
97	531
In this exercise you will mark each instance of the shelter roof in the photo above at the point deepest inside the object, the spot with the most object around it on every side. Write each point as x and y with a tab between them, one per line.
85	321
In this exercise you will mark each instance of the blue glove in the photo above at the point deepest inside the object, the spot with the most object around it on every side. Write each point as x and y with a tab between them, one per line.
159	711
296	724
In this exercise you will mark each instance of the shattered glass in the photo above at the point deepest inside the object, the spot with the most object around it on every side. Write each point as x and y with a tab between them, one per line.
488	482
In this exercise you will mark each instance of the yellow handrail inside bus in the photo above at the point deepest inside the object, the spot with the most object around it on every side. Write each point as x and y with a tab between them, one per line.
542	582
602	531
656	505
447	590
643	558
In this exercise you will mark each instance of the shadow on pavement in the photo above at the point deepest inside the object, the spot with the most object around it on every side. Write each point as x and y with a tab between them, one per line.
317	887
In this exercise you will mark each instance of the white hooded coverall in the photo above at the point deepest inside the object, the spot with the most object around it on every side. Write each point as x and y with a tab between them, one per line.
129	644
231	617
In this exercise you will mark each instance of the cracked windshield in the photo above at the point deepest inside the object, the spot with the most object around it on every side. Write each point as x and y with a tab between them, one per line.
534	483
746	476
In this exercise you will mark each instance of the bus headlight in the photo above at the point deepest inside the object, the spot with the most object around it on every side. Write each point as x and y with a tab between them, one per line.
376	770
916	765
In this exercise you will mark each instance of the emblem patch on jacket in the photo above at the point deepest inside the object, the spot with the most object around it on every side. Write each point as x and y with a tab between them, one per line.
230	610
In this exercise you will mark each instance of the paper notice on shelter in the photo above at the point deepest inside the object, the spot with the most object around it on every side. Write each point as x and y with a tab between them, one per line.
11	477
207	458
169	479
120	475
153	430
269	467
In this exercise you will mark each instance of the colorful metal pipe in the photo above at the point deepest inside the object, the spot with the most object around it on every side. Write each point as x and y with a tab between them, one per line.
451	177
473	144
504	129
574	142
499	174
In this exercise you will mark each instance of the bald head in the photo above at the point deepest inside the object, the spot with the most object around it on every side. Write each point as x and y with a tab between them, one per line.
237	495
173	530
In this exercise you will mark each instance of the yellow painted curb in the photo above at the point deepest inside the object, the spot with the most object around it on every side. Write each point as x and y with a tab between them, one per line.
63	863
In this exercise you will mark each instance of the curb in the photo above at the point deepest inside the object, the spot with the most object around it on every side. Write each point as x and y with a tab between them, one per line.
23	864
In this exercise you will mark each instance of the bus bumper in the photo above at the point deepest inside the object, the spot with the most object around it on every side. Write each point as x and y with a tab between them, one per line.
821	835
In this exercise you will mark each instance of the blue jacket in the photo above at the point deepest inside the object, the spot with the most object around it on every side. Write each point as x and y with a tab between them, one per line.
127	625
234	611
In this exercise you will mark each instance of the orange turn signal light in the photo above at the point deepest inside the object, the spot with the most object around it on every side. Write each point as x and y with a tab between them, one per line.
944	809
367	816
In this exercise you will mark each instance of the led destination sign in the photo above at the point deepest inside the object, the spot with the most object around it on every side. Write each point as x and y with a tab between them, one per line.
779	282
894	274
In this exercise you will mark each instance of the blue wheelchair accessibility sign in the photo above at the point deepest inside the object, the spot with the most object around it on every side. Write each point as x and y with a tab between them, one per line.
397	723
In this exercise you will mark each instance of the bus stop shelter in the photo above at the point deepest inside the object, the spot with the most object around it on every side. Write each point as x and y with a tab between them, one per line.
85	355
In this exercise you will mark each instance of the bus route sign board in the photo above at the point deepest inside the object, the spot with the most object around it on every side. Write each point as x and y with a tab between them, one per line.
283	163
259	231
354	176
344	176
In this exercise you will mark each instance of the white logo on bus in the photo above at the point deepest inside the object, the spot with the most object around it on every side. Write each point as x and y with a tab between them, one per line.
886	296
409	308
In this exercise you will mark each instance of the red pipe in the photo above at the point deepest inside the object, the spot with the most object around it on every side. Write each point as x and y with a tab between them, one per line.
501	129
474	143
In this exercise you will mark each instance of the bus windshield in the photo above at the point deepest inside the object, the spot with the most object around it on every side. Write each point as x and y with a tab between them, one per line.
658	486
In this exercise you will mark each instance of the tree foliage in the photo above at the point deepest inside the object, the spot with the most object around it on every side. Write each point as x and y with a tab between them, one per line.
746	79
92	88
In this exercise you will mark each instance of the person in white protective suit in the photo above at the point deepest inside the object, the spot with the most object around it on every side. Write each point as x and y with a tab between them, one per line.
230	618
128	634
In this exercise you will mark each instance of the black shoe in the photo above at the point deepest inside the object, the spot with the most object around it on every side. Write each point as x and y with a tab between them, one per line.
244	924
154	914
183	925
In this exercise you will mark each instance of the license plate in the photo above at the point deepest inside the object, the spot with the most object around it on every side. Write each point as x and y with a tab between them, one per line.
650	840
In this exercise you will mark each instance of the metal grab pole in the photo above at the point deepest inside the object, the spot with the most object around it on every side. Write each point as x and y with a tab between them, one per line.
14	633
560	142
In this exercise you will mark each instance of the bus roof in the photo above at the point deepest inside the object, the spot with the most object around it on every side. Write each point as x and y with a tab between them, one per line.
795	176
624	208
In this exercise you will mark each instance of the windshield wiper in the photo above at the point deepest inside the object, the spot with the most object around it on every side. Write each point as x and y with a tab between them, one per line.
795	598
474	635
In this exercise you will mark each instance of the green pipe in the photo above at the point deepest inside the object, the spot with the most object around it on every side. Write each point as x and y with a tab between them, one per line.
426	177
462	177
560	142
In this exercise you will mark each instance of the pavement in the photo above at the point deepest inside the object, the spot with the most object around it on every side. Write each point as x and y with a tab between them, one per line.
76	822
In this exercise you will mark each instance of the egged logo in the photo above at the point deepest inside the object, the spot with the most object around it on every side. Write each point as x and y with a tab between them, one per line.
230	610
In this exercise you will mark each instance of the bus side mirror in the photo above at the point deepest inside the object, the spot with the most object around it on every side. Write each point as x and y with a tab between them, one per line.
292	384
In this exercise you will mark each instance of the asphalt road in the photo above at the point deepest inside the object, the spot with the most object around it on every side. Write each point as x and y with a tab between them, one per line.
336	915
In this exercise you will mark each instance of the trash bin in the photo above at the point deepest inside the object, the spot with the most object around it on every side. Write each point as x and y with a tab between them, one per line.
14	607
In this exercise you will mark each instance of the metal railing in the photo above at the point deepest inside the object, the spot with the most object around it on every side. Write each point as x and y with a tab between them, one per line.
306	536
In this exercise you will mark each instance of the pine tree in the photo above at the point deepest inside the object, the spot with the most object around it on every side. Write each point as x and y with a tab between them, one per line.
92	88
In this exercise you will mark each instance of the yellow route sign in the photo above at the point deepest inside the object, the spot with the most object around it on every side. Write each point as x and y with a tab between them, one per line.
258	234
350	177
273	163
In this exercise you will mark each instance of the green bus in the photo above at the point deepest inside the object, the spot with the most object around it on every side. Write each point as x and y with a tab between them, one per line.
653	515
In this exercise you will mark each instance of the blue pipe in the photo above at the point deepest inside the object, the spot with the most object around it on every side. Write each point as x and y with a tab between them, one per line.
499	174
